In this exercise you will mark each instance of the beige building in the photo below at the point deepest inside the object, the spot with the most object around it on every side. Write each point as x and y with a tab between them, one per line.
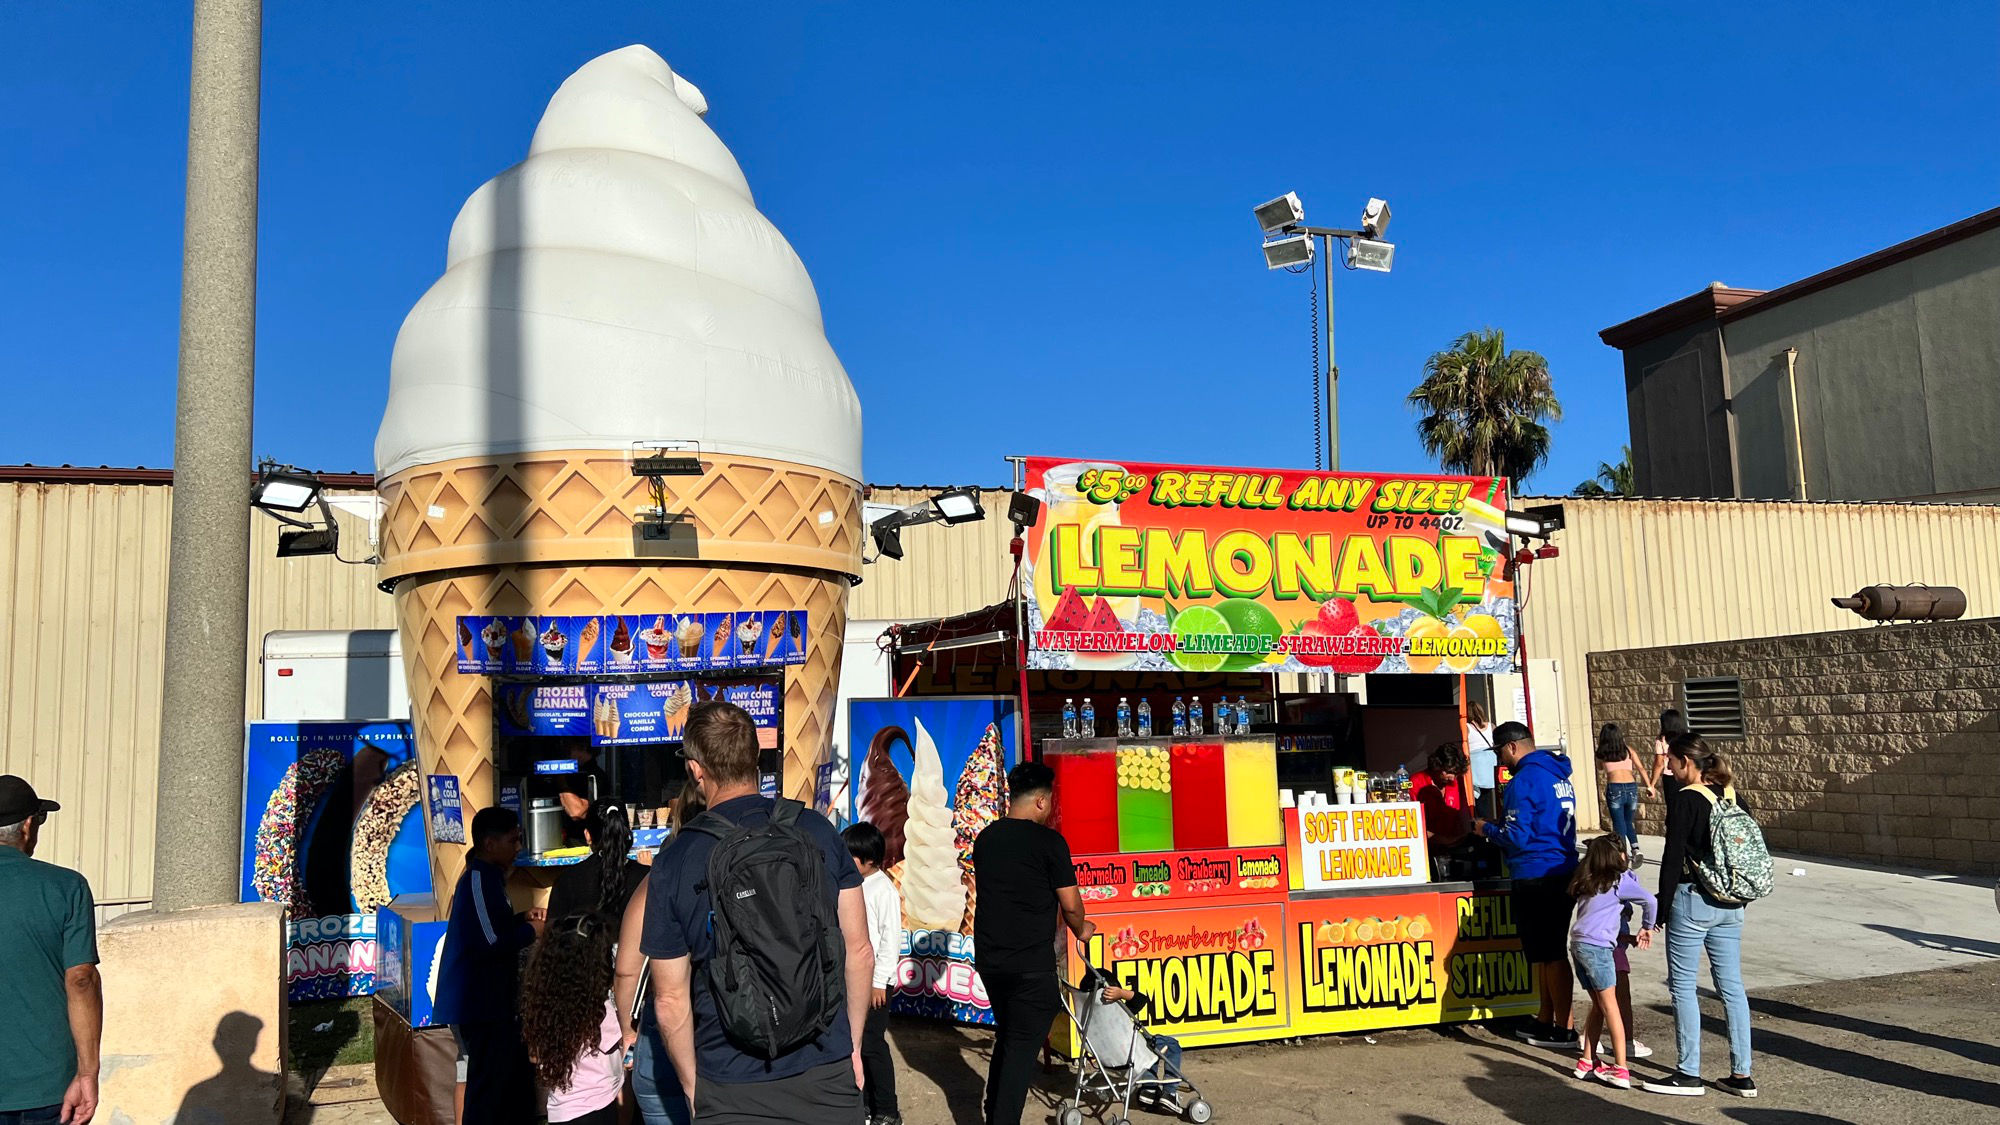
83	557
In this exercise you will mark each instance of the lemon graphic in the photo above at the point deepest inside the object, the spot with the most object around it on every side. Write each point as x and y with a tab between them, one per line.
1199	621
1247	618
1466	661
1425	627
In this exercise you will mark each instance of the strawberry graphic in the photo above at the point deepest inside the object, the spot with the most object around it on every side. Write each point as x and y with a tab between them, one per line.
1340	616
1317	627
1359	663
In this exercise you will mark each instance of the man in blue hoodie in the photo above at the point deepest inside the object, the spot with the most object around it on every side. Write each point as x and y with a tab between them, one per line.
1539	836
478	979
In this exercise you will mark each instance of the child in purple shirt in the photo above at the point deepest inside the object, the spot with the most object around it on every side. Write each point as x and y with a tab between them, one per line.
1602	886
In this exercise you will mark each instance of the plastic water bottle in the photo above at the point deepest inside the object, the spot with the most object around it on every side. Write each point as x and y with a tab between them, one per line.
1145	718
1402	783
1195	725
1069	718
1087	719
1180	717
1225	723
1124	718
1242	715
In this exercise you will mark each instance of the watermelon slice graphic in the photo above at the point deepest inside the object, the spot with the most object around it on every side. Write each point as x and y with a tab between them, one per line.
1071	614
1104	619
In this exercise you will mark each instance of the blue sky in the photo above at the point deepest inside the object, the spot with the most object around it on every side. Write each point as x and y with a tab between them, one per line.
1029	224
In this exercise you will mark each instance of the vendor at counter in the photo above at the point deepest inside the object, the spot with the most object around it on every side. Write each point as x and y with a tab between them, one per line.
1440	789
1539	837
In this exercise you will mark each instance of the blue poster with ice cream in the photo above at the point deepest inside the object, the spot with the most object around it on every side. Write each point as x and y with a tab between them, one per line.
932	775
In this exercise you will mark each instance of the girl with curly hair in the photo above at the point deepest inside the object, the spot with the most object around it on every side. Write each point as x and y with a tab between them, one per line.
569	1019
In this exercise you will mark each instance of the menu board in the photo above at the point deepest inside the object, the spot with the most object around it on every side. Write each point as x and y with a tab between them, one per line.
1372	845
618	644
631	714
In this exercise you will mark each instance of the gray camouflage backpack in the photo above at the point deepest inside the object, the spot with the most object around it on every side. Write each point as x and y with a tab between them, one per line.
1738	866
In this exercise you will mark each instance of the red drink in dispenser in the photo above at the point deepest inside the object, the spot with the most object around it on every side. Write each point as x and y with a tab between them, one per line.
1086	799
1201	796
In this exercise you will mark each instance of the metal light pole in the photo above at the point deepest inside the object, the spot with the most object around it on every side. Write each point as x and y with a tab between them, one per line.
200	818
1288	245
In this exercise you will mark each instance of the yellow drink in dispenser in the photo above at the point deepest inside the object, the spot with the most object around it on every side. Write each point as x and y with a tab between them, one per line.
1251	768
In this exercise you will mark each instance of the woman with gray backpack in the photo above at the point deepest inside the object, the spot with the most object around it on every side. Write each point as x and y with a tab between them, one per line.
1714	865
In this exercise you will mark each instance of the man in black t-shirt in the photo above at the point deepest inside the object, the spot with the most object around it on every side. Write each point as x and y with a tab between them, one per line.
1025	877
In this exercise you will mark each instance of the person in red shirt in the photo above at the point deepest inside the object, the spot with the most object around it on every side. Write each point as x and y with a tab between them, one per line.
1440	789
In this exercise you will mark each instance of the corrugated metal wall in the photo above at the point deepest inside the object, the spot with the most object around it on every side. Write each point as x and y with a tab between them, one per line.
1640	573
83	574
83	578
944	570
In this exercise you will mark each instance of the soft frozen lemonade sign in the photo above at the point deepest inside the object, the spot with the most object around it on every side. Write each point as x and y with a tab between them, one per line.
1362	846
1204	569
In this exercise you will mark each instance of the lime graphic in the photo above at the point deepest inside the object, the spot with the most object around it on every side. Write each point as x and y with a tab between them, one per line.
1199	621
1248	619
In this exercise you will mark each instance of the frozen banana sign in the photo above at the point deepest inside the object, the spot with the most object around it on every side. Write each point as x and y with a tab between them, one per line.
1204	970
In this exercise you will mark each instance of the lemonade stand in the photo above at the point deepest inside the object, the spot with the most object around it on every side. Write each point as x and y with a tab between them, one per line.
1192	609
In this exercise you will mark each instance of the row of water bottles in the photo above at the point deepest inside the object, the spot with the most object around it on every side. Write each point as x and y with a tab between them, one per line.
1188	718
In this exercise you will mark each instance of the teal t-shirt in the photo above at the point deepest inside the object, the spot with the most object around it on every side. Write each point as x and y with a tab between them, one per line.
48	925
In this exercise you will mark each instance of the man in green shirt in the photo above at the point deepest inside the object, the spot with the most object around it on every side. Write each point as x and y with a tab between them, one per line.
48	974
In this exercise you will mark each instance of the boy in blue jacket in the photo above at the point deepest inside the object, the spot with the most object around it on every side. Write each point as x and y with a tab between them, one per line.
1539	836
479	977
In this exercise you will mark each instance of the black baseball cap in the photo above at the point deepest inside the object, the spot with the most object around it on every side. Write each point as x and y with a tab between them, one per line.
18	801
1512	732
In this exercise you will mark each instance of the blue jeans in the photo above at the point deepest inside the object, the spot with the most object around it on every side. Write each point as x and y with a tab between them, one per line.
42	1115
1622	798
1697	925
655	1086
1169	1050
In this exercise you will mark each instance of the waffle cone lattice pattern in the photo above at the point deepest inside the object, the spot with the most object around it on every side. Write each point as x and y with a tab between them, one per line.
758	541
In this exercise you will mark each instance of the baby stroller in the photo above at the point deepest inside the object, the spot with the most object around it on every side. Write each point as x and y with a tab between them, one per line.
1117	1059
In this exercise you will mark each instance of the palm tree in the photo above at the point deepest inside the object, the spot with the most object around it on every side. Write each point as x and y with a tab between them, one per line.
1483	407
1611	480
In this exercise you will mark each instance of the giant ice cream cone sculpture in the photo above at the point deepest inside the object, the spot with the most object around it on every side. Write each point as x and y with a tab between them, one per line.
617	286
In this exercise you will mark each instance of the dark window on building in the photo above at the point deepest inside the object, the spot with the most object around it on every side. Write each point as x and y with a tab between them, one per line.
1714	706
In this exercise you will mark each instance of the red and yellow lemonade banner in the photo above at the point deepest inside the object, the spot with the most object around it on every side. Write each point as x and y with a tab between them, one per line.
1313	965
1212	569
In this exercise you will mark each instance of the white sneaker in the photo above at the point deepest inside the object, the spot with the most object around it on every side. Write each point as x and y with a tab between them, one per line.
1633	1049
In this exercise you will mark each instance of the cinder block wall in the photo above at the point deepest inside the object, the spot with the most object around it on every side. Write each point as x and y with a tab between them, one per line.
1881	745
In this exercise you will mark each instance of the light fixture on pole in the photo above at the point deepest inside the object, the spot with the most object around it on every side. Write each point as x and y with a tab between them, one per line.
886	524
1288	246
283	492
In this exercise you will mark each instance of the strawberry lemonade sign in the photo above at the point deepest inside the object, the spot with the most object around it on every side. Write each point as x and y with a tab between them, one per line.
1209	569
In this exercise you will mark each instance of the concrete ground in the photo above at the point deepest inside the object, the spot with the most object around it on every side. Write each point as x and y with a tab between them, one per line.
1874	996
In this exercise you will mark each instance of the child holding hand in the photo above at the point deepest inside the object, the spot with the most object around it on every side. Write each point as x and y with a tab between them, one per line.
1602	886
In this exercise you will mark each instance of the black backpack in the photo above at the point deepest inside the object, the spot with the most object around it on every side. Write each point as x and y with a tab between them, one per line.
777	970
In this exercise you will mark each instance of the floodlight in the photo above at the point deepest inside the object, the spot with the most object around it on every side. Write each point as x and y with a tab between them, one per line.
888	540
1536	523
1023	509
281	489
1375	218
1368	254
958	505
317	541
1283	253
666	459
1284	211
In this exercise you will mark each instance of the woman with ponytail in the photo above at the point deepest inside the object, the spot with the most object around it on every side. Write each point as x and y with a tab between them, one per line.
605	878
1696	923
655	1086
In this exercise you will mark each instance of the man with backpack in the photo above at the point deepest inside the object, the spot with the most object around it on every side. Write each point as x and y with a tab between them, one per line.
758	936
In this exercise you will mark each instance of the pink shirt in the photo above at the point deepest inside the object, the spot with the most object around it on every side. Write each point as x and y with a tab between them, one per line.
595	1078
